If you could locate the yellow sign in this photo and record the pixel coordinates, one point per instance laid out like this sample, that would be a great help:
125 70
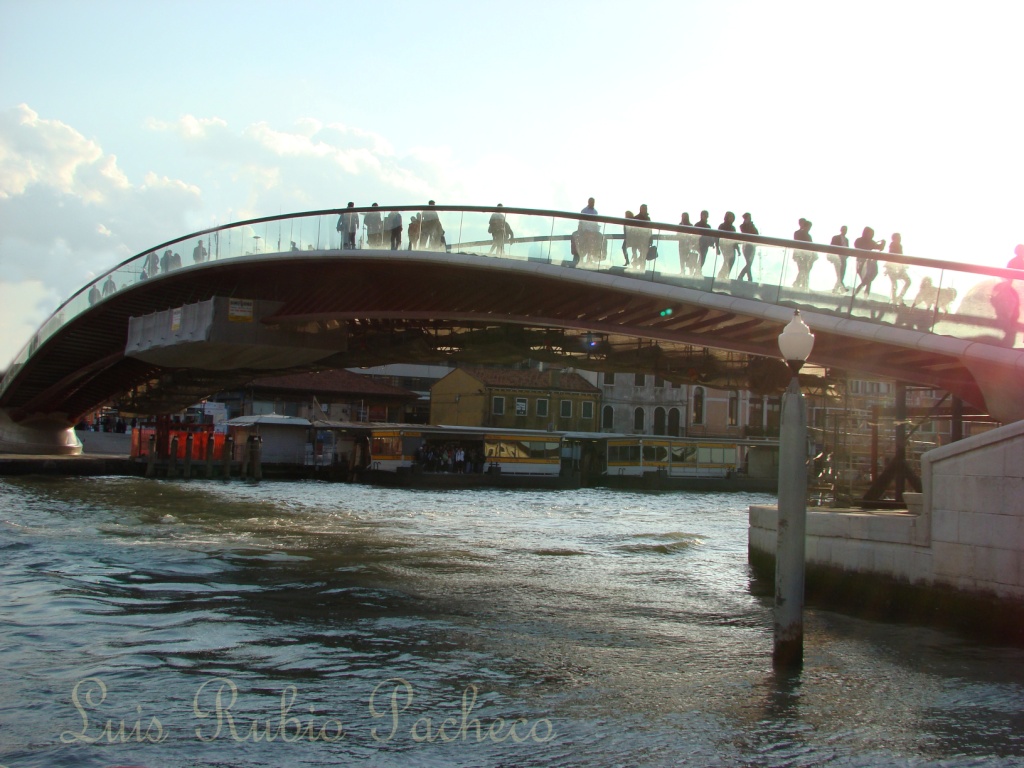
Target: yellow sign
240 310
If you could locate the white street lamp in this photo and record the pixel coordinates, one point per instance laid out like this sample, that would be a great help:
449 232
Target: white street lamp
795 343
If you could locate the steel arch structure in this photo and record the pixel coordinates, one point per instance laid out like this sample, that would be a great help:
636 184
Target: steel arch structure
531 288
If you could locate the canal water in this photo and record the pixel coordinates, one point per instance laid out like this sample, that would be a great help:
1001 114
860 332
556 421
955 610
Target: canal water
164 624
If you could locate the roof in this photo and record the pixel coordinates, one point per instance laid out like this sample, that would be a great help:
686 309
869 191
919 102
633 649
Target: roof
554 379
334 383
268 419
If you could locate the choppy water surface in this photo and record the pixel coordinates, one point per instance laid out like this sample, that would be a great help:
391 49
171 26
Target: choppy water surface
287 624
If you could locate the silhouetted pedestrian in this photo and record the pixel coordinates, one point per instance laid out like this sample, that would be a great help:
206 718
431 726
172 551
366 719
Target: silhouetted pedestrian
897 273
749 249
839 260
1017 262
867 269
500 232
374 228
348 226
431 231
706 243
393 224
804 259
727 248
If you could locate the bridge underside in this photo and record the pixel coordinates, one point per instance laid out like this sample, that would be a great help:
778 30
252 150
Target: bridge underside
370 308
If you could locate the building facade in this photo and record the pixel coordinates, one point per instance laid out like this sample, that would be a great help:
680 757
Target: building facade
647 404
338 395
516 399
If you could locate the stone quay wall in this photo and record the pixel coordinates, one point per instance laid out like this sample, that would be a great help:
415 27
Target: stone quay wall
959 547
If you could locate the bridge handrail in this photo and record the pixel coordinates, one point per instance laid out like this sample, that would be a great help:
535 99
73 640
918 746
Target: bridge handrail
569 215
777 252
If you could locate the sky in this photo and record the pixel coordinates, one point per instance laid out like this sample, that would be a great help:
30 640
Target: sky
127 124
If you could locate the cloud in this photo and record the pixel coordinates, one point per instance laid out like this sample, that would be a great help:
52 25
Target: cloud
69 212
37 151
189 126
26 305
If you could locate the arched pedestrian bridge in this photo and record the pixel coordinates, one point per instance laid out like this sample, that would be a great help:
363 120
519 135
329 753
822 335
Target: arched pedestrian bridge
216 308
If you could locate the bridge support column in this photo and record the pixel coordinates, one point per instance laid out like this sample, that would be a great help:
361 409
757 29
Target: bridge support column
49 435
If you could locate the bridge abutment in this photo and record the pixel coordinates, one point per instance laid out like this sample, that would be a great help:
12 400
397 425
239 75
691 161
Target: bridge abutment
45 435
956 557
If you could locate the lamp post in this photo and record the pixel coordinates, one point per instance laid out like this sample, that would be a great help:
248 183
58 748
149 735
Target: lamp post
795 343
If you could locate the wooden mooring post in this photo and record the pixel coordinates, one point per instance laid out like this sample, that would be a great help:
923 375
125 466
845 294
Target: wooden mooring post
151 457
189 443
172 458
229 449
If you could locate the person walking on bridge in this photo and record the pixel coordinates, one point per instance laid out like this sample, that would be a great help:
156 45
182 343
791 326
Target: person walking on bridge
586 242
747 227
590 210
644 238
431 231
687 249
804 259
705 243
393 225
867 269
374 228
897 273
727 248
500 232
839 261
348 226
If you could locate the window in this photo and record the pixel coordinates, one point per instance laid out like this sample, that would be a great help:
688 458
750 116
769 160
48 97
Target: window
521 407
673 422
609 377
659 382
607 417
587 409
498 405
734 408
773 406
659 421
542 406
698 405
639 379
638 420
756 414
565 409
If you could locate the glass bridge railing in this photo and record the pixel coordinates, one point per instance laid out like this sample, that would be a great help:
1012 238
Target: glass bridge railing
962 301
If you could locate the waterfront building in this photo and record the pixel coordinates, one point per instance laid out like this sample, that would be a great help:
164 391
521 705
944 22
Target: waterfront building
649 404
415 377
556 399
337 395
